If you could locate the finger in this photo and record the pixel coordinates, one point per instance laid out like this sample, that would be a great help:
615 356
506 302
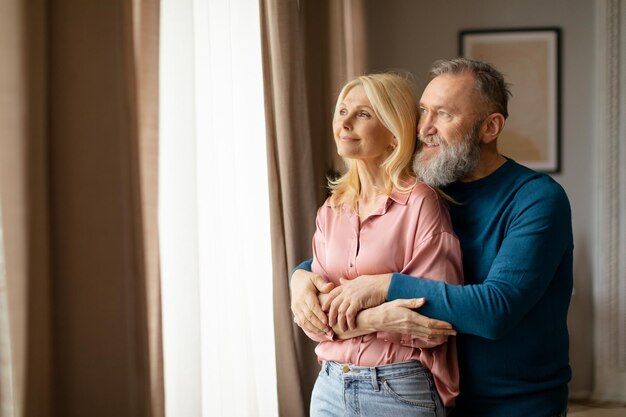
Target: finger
351 316
432 327
333 310
321 284
423 325
341 315
326 288
437 338
341 322
308 325
315 315
331 296
304 325
342 280
434 323
309 315
411 303
434 333
441 328
332 316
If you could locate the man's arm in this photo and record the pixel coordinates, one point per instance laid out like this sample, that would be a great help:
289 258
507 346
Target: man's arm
396 316
537 242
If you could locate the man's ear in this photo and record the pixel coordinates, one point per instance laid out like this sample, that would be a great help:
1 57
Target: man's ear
492 127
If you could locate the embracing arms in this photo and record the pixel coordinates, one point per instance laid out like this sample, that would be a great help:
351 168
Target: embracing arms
426 247
533 255
392 317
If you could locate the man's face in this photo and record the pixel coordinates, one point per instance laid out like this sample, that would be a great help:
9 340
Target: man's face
448 130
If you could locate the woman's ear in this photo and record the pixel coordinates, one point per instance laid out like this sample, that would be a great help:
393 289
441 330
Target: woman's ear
492 127
394 143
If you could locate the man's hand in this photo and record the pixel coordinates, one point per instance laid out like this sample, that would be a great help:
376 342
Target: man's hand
398 317
304 303
352 296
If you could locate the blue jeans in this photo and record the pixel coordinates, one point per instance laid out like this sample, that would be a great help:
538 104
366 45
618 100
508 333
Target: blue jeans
402 389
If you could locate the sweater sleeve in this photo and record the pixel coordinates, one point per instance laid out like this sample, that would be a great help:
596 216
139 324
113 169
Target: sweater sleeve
534 245
306 265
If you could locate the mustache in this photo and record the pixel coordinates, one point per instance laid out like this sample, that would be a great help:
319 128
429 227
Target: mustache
432 139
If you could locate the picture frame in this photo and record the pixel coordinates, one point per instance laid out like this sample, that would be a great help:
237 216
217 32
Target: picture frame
530 60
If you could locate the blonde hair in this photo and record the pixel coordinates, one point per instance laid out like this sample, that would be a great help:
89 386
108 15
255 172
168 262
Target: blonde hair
394 102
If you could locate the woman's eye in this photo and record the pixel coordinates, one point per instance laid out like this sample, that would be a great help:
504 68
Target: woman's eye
364 114
342 112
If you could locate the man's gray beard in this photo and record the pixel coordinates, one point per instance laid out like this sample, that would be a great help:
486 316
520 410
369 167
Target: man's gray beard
453 162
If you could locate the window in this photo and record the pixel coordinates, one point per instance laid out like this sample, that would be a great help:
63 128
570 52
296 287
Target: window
214 220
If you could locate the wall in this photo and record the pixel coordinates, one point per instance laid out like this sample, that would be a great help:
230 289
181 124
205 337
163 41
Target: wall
411 34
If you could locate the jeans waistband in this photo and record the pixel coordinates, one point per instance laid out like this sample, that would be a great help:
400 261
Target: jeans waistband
346 370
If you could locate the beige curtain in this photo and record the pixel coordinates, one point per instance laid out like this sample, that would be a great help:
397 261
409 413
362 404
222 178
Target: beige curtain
305 62
27 352
292 196
78 184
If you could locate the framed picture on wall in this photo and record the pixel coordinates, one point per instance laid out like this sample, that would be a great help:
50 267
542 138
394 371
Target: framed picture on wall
529 60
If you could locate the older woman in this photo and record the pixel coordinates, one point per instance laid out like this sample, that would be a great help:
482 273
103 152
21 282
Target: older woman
380 219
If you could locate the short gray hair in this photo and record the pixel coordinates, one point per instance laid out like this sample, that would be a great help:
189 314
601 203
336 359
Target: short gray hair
489 82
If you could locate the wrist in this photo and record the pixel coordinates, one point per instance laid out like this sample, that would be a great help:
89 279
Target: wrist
366 320
384 288
300 283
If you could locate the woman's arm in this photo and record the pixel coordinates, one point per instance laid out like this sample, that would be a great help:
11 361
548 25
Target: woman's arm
398 318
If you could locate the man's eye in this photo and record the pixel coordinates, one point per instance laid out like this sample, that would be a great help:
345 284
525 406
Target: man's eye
422 111
443 114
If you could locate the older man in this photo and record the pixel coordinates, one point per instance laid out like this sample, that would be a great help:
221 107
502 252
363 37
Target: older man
514 226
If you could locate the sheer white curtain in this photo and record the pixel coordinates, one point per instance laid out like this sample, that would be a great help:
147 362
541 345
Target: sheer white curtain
6 378
216 261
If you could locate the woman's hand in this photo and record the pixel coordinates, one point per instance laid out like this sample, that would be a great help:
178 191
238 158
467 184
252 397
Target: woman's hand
398 317
352 296
305 306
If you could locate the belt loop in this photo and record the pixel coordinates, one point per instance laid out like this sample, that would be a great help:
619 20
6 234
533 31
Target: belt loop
374 379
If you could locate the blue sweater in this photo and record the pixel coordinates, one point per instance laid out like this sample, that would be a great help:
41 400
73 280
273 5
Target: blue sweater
516 235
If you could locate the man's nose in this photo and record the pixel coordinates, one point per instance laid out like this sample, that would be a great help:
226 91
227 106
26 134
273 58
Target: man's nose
426 126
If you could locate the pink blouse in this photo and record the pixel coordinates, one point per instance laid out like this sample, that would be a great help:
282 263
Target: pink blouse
409 233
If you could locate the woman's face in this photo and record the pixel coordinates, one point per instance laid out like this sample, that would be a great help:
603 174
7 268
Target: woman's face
358 132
